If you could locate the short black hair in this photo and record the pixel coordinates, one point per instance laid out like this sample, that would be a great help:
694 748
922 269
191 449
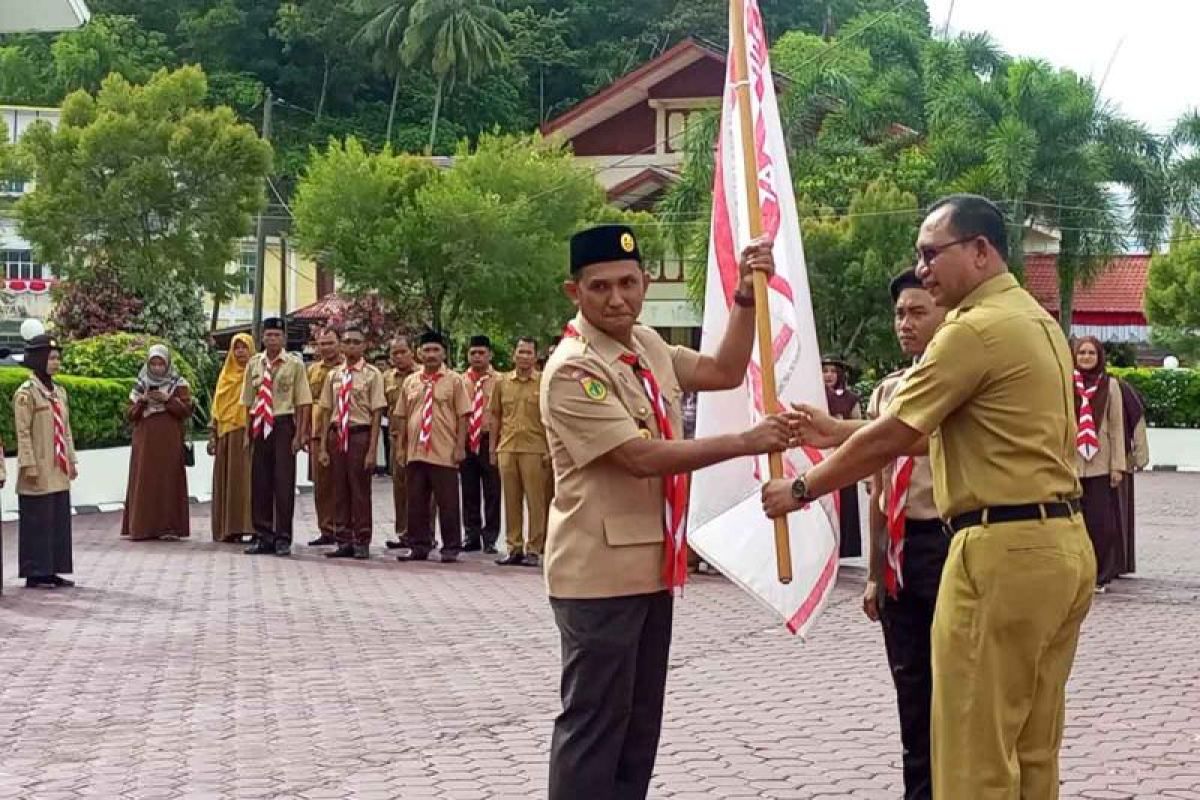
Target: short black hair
973 215
527 340
905 280
353 328
330 329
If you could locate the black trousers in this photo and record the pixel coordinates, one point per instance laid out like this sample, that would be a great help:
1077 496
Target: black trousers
477 472
273 482
430 486
907 620
614 676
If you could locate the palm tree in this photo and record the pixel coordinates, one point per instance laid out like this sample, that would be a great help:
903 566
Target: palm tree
1183 166
383 33
456 40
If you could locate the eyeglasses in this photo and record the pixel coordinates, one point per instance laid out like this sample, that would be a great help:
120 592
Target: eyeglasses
928 254
349 341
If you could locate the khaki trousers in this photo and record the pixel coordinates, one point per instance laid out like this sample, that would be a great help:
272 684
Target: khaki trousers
323 494
525 478
1012 599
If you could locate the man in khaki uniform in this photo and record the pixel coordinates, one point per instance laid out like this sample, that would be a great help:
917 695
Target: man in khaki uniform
329 350
352 401
277 395
611 405
994 394
400 356
519 448
431 415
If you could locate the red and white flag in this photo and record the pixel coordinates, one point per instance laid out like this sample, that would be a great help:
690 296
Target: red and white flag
726 523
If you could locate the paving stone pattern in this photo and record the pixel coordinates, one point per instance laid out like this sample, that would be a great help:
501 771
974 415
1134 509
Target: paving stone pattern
188 670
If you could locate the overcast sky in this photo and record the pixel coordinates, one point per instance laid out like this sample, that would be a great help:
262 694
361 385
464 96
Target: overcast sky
1155 76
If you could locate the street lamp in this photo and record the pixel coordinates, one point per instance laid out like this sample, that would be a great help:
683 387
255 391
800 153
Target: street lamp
28 16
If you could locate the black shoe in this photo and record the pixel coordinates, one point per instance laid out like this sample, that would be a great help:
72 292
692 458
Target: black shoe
39 583
412 554
59 580
490 550
472 547
322 540
449 558
283 547
343 551
393 544
533 560
511 560
362 551
261 548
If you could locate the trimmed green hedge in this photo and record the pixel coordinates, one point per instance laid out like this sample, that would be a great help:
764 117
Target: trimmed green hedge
97 408
118 355
1172 396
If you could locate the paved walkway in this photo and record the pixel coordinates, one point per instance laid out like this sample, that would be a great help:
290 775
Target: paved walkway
187 670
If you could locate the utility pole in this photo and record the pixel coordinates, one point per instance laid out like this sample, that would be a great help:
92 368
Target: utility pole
283 276
261 248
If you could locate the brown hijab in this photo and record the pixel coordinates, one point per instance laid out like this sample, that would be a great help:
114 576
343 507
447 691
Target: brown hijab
840 399
1091 377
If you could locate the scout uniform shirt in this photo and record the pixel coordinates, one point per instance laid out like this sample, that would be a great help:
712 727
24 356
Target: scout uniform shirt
318 373
39 474
393 379
919 503
605 534
288 379
450 403
366 394
515 404
995 393
489 389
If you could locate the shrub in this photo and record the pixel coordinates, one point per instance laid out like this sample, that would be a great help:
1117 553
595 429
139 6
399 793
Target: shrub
1172 396
97 408
119 356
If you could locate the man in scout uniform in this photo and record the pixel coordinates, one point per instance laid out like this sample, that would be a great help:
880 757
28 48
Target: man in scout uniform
519 448
611 402
431 415
480 478
908 541
277 394
352 401
329 352
994 394
400 356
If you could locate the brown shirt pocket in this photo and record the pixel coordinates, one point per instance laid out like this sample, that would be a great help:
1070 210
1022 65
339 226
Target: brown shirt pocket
624 530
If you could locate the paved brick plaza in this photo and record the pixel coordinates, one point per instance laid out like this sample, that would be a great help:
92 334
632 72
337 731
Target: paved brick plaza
187 670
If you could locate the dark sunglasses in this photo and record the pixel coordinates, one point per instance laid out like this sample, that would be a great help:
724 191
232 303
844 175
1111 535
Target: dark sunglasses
928 254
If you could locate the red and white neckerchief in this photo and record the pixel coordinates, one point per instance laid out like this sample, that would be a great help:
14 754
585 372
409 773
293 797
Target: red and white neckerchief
893 571
343 405
426 438
60 431
1087 442
675 487
475 425
263 412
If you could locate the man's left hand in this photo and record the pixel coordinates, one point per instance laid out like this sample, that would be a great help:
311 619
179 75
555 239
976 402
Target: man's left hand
1115 477
369 461
777 500
757 257
72 471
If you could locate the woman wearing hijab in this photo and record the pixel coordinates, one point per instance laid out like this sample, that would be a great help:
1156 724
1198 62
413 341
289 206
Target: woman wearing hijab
46 457
1100 455
1137 457
227 442
156 500
844 404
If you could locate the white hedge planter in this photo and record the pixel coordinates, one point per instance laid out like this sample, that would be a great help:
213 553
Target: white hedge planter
1174 448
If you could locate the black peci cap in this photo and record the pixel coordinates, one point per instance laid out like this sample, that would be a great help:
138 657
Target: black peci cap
273 324
480 341
602 244
431 337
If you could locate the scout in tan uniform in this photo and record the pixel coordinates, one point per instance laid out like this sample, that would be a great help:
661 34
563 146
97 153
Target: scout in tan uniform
611 404
478 474
400 356
908 542
431 415
519 448
329 348
46 460
352 404
276 393
994 394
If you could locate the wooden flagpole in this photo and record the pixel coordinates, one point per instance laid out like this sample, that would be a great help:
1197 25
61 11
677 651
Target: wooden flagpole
762 311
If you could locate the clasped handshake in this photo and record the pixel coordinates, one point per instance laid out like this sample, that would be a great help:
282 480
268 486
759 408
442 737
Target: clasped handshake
803 426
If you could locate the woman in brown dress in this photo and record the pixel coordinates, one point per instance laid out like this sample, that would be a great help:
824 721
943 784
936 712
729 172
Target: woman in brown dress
1137 457
156 500
227 443
1100 456
844 404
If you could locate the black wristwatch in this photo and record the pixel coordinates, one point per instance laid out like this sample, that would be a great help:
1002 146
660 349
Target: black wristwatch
800 491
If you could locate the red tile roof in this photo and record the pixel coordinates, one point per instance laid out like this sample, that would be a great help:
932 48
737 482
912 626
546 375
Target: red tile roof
1118 289
331 305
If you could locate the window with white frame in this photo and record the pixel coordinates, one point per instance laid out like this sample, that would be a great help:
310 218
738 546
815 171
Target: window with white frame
248 267
19 265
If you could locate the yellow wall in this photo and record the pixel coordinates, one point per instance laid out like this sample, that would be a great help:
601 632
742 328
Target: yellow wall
301 285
